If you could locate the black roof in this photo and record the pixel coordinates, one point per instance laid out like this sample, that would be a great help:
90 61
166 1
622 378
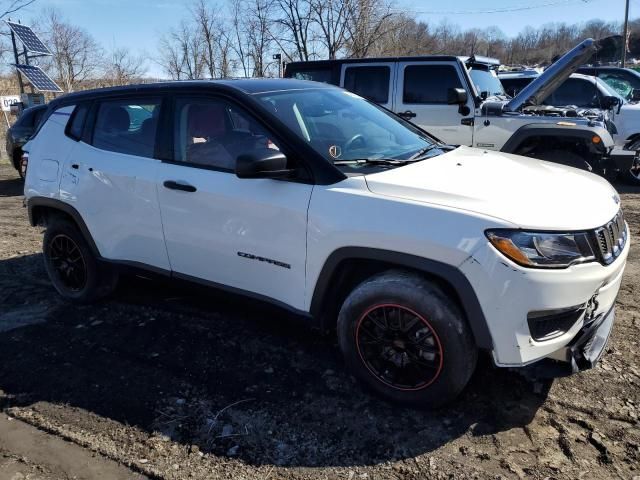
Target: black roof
423 58
602 67
245 85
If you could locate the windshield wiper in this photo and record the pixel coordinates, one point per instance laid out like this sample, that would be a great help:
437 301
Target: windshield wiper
372 161
423 152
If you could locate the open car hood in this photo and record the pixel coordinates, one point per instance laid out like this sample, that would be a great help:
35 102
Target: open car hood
558 72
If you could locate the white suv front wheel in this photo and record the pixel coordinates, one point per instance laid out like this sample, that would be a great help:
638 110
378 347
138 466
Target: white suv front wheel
406 339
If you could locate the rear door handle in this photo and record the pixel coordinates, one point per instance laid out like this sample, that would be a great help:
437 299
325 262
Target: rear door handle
184 187
407 114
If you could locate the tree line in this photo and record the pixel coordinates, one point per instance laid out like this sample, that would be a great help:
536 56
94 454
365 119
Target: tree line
240 38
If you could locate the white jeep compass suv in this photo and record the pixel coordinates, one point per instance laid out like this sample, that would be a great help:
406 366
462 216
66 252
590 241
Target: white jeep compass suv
305 195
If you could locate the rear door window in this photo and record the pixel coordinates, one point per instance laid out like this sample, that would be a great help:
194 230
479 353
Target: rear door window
429 84
371 83
127 126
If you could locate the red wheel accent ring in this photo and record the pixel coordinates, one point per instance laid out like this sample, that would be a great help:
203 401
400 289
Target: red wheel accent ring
393 340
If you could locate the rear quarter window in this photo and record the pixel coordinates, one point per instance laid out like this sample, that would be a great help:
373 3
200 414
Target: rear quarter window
371 83
325 74
77 121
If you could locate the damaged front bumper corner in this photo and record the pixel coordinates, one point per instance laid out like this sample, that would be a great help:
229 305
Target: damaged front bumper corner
582 353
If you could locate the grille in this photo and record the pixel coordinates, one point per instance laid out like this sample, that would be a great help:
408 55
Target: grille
611 238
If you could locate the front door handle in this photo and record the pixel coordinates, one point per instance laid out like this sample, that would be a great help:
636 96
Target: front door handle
408 114
173 185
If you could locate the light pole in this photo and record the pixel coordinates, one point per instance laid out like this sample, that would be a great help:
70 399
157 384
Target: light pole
278 57
625 33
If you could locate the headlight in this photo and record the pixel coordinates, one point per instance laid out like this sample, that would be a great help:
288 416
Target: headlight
542 250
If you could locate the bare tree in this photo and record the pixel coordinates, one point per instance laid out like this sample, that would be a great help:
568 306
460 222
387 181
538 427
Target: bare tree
471 40
214 35
76 55
331 17
598 29
252 22
182 52
368 20
121 67
295 19
259 36
12 6
240 43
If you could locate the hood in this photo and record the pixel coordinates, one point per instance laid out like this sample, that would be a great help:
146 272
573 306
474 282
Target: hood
524 192
555 75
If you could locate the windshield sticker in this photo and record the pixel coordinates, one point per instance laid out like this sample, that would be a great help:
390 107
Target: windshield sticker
335 151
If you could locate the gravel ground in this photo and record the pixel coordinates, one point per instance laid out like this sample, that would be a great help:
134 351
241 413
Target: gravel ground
173 382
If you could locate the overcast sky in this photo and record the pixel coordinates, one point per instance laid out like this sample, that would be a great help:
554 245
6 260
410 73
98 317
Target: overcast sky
138 23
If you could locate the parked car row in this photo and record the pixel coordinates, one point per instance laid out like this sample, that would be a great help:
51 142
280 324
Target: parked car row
19 133
596 93
417 253
462 101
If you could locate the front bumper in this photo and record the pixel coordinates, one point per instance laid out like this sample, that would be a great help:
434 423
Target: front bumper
622 160
508 294
582 353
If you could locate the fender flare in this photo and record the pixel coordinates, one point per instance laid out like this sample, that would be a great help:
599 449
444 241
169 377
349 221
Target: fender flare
34 203
632 138
549 130
448 273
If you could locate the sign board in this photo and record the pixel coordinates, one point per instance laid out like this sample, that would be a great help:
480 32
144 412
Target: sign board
7 100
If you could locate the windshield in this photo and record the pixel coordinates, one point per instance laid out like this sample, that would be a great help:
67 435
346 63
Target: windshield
342 126
610 90
623 81
486 81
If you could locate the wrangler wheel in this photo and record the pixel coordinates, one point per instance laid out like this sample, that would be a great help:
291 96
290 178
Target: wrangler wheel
632 177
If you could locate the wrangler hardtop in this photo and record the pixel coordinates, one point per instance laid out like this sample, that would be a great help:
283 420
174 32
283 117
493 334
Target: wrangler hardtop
461 101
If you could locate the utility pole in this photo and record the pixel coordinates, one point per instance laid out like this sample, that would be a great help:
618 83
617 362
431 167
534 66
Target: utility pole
625 34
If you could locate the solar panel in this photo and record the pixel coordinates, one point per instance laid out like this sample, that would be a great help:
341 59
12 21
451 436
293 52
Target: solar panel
29 39
38 78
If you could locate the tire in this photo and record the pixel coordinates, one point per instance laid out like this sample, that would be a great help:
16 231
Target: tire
71 265
429 372
569 159
22 167
632 177
17 164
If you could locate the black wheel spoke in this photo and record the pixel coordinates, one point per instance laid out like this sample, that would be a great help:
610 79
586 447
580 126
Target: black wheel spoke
399 347
381 326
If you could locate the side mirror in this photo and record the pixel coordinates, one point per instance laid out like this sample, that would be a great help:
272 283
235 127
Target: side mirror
265 163
457 96
635 95
609 102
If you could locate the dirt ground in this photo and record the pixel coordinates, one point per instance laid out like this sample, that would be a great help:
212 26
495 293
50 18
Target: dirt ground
172 382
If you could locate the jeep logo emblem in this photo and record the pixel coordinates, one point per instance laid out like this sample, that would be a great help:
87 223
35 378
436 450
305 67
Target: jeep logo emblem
335 151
